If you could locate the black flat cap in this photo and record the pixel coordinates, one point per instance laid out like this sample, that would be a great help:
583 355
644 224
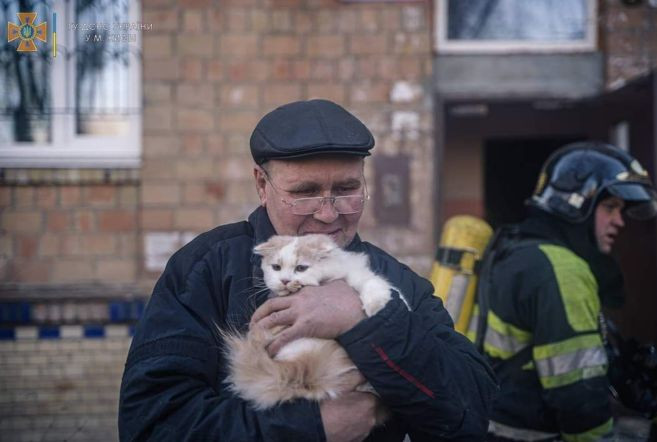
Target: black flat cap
305 128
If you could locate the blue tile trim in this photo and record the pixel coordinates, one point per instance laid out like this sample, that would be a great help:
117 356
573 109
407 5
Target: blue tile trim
15 312
124 311
23 312
55 332
7 334
94 331
49 333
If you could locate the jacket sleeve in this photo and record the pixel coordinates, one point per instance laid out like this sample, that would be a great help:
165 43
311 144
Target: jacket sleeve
428 374
568 353
172 384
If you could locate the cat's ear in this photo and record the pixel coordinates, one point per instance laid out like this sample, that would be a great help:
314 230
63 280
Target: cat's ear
272 245
319 246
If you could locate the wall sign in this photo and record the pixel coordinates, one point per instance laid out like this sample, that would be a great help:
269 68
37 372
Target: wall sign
392 185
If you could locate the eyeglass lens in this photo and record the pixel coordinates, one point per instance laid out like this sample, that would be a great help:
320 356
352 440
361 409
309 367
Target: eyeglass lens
344 205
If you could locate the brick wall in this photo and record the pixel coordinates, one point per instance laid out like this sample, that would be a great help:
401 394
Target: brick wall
68 233
212 69
629 39
62 389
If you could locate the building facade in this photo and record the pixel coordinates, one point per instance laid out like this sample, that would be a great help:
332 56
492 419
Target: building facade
81 247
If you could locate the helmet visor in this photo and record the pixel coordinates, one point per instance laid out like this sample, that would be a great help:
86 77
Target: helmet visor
641 200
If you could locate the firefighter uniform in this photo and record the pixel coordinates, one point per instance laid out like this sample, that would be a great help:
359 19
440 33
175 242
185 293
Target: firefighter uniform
540 295
543 342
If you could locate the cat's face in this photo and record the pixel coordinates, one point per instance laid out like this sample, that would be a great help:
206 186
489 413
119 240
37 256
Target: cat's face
292 262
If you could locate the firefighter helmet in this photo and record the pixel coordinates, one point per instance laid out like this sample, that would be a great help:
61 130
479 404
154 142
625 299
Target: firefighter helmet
574 177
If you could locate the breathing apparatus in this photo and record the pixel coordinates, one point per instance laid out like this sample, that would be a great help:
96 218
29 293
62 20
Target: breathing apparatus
454 272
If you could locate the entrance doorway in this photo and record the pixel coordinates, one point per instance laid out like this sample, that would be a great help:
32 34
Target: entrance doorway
511 167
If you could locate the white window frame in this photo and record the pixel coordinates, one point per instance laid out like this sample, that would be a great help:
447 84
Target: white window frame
68 149
445 46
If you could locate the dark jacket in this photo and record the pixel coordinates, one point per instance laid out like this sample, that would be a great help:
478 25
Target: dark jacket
432 378
543 338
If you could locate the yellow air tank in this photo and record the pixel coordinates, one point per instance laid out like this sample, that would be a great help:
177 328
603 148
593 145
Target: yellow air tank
453 275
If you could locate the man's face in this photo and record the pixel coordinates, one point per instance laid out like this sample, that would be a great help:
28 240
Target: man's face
306 178
608 222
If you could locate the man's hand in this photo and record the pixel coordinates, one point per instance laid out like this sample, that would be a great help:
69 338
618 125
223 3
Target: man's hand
314 312
349 418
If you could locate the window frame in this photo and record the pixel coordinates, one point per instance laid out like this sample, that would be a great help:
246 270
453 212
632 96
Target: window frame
67 149
443 45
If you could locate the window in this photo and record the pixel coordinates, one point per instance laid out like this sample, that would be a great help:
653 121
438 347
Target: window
73 100
470 26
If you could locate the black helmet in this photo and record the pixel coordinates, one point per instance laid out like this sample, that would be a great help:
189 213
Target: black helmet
574 177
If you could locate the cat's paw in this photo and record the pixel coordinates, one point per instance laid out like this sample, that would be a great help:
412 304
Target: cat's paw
374 304
374 296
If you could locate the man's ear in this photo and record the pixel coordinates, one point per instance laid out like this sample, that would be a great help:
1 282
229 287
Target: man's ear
260 182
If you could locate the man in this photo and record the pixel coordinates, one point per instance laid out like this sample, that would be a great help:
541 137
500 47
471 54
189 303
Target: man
546 285
308 155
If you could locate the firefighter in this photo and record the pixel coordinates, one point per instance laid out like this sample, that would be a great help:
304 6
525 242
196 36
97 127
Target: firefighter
543 295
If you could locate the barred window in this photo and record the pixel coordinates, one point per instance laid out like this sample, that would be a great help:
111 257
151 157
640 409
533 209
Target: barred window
70 92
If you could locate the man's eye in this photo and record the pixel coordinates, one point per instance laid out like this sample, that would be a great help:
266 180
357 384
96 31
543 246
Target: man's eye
276 267
300 268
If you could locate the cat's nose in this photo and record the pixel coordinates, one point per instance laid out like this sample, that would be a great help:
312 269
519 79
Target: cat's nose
285 281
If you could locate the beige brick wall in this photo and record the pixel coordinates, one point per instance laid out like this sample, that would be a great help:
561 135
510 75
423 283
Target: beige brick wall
64 389
206 88
211 69
57 234
629 39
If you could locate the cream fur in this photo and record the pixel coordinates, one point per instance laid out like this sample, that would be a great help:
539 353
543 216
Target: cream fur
309 368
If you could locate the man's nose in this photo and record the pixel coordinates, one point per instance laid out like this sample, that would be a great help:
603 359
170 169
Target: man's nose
327 213
618 218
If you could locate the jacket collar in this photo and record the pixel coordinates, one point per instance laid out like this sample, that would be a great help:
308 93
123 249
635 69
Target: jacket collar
580 239
262 228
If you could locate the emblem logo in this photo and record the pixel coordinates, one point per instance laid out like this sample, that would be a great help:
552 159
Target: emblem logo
27 32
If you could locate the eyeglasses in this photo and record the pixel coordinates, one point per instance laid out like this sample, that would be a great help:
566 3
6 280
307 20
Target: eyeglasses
343 205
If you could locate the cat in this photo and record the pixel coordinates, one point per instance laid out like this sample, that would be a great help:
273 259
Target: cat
309 368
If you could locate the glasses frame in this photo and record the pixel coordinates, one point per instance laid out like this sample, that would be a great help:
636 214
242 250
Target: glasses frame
323 199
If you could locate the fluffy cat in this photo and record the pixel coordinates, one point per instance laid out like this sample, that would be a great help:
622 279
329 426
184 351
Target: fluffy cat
309 368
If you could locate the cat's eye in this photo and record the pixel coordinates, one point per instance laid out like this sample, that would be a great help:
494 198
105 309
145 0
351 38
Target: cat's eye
276 267
300 268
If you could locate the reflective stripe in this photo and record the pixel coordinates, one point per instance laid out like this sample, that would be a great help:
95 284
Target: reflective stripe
595 434
575 359
518 334
590 340
501 346
518 433
557 365
502 339
577 285
572 377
